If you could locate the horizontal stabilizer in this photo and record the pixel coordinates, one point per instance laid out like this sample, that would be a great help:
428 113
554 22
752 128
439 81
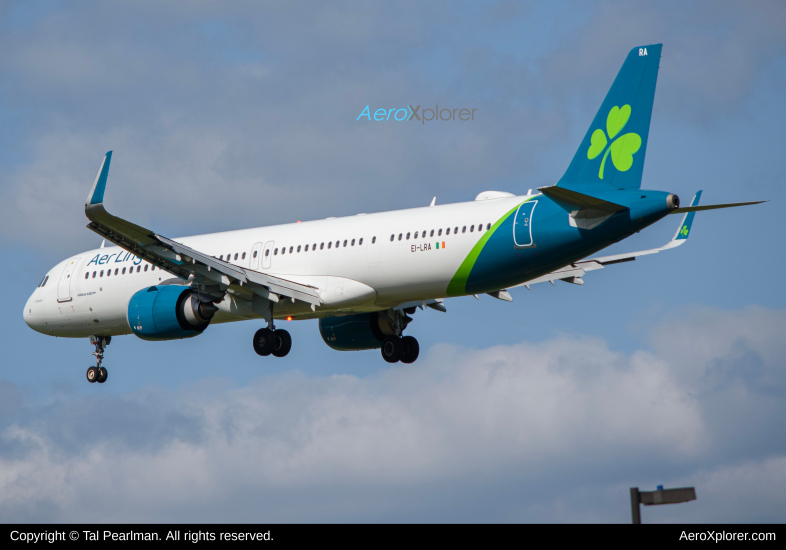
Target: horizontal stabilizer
581 200
711 207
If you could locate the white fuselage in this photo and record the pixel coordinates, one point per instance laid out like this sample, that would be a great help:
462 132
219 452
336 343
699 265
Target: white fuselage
351 260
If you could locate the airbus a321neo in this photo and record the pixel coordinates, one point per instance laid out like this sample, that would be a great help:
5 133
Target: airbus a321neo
364 276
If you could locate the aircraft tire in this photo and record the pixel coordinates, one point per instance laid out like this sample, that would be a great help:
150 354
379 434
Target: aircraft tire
92 375
283 343
411 349
102 374
392 349
264 341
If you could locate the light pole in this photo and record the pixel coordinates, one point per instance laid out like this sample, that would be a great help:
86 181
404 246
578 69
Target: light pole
661 496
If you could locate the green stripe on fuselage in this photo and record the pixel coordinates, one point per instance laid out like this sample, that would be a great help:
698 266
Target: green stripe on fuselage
458 284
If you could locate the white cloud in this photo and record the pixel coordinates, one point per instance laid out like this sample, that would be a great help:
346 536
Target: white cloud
566 422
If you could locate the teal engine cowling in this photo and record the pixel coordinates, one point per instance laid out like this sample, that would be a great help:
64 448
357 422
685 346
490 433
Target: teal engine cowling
169 312
355 332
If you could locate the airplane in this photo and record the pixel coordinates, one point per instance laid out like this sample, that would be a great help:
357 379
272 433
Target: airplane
364 276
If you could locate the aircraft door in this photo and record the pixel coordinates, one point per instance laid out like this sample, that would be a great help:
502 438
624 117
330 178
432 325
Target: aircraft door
64 285
267 254
254 264
522 225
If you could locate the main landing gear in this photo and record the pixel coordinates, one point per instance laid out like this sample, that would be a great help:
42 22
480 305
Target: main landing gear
396 348
98 373
269 341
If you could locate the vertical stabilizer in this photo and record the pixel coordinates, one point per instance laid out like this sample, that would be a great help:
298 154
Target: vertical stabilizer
613 150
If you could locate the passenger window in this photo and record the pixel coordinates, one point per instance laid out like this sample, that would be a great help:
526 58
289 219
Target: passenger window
407 236
314 246
87 274
353 242
145 267
290 249
283 250
275 252
116 271
345 243
330 244
392 237
439 233
400 235
102 273
416 234
488 226
108 272
432 233
464 229
471 228
267 252
152 268
447 232
124 271
243 257
236 255
306 248
455 230
221 257
322 246
298 248
94 274
138 268
337 243
255 253
373 240
360 242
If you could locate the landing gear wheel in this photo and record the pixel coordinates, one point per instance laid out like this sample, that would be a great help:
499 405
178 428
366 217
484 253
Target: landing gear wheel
101 375
92 374
264 341
392 349
411 349
283 343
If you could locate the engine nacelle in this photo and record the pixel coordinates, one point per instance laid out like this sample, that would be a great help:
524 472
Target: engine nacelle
168 312
355 332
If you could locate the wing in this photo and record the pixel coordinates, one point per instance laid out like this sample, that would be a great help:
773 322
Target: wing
573 273
187 263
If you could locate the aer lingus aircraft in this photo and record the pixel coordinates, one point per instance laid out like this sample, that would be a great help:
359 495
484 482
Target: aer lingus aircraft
363 276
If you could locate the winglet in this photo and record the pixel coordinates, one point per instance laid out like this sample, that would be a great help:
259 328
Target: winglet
96 195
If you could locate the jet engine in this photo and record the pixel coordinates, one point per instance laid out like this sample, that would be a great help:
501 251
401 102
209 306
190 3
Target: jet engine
169 312
355 332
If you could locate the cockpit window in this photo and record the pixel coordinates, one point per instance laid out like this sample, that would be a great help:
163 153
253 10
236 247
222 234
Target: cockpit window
44 281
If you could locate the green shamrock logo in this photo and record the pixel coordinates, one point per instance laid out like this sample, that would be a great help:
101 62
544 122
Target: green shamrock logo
622 149
684 231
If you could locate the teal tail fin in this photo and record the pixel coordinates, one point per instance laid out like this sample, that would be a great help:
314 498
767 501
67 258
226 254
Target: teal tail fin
613 150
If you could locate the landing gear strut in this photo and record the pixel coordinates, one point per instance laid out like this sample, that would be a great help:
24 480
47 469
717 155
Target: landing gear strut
396 347
270 340
98 373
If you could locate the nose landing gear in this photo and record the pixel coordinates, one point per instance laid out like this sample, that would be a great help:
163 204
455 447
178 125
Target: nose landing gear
98 373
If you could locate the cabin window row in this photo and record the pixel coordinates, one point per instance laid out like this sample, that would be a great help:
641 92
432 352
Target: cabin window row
313 247
118 271
229 256
431 233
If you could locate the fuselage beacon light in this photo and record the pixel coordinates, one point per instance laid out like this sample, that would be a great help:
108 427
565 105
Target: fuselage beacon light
364 277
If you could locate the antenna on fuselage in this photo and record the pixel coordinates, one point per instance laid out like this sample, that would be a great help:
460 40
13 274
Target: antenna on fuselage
103 243
433 201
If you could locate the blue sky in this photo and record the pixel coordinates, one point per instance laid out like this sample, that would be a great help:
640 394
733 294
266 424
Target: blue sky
668 370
